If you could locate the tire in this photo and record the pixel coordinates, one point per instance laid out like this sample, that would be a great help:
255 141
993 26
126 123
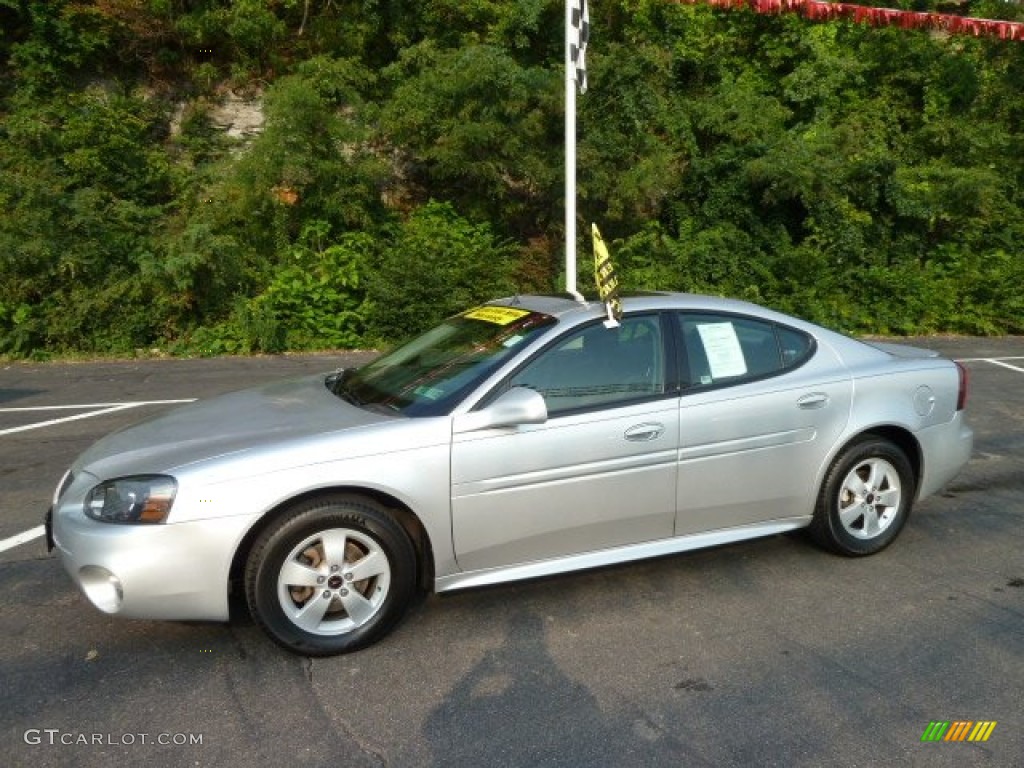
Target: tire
333 575
865 499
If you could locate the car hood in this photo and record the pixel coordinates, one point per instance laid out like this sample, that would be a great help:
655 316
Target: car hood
249 419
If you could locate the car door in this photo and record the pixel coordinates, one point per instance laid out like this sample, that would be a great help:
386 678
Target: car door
599 473
763 407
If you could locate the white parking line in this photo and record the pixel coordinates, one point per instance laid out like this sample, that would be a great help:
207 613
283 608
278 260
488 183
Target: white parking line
103 409
989 359
77 407
22 538
1007 365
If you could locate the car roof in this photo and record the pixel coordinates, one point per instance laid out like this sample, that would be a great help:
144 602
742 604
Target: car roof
570 311
562 306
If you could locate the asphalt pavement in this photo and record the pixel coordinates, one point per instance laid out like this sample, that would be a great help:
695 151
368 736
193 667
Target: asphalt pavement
765 653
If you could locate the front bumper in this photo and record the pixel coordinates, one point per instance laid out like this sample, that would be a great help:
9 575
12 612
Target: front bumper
168 571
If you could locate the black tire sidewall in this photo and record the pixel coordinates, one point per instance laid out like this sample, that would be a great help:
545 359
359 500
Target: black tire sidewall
828 529
280 538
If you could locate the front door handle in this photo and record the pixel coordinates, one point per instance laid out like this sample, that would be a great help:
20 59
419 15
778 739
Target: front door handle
642 433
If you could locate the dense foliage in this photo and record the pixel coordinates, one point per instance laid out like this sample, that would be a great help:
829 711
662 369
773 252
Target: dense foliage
409 162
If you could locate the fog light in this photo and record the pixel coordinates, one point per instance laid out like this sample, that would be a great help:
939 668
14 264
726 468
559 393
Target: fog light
102 588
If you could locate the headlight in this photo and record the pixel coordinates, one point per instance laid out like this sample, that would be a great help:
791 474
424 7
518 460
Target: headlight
143 499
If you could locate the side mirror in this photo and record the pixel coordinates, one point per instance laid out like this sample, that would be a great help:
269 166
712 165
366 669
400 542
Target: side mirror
517 406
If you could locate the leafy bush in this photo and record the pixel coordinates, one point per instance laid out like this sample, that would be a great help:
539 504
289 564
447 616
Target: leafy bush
317 298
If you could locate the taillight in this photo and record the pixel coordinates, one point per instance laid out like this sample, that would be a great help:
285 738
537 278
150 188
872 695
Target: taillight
961 395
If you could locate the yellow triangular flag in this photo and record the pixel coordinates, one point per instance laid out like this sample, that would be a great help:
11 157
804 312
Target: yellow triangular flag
604 275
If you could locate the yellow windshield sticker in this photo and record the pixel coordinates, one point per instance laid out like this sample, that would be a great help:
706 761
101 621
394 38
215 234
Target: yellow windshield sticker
496 315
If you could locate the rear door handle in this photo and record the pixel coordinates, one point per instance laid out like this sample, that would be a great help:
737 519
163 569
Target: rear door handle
812 401
644 432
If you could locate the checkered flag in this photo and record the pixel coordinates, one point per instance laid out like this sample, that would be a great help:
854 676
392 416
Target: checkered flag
578 36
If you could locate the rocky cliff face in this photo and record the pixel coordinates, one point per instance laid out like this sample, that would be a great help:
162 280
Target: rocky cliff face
239 116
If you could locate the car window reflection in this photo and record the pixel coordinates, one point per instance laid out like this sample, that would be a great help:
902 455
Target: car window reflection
598 366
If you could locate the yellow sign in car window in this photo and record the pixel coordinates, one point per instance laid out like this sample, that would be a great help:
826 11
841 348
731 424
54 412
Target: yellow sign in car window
496 315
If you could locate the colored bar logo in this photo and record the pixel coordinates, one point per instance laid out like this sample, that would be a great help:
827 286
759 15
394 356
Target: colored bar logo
958 730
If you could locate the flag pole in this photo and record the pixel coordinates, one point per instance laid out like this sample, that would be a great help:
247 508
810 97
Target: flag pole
570 158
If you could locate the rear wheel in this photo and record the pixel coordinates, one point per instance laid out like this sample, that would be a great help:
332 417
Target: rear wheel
865 499
332 576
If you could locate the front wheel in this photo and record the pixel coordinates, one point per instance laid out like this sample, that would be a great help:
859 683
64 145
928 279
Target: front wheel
865 498
332 576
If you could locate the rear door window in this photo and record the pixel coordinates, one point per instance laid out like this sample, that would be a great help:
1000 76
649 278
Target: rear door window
722 349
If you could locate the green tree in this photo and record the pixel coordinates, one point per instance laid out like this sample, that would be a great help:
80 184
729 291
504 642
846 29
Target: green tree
81 188
475 126
436 264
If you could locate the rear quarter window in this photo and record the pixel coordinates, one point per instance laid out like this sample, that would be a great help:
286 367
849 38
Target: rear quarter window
796 346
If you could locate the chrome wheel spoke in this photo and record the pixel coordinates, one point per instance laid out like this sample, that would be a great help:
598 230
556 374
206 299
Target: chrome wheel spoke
851 514
359 609
374 564
871 524
296 574
855 485
334 543
309 616
888 498
875 474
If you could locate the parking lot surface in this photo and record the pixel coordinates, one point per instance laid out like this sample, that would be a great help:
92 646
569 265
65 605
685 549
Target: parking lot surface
765 653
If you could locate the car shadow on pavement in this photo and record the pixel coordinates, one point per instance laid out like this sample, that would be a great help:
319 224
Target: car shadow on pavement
10 395
558 720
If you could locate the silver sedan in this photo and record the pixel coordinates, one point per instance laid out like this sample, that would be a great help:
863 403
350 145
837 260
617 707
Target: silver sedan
523 438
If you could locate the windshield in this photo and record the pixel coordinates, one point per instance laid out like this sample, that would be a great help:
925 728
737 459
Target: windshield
429 375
